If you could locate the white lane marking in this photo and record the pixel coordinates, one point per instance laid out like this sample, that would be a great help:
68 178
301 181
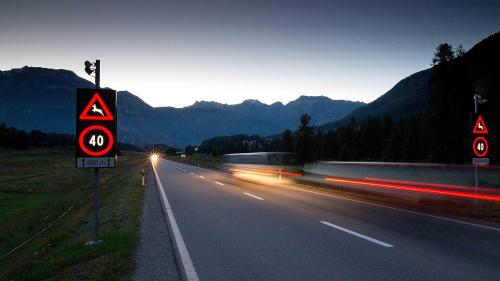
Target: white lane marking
186 263
394 208
191 173
219 183
202 177
184 170
373 240
254 196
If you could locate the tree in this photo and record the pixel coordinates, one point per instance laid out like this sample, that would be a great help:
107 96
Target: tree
443 55
189 150
287 141
459 51
305 140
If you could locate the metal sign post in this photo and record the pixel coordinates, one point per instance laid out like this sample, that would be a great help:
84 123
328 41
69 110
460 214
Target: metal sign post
96 133
96 171
479 143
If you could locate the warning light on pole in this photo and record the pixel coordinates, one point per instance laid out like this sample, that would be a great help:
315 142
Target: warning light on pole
88 67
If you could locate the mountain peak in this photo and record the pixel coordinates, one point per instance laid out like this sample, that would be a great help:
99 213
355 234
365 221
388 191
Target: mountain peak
252 101
33 70
29 76
206 105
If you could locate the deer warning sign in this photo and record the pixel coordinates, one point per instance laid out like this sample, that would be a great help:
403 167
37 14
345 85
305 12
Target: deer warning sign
96 109
480 127
95 128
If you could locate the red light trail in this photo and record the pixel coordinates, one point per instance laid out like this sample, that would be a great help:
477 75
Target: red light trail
460 194
424 184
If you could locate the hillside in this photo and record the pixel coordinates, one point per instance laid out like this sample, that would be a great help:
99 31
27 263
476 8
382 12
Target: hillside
408 97
40 98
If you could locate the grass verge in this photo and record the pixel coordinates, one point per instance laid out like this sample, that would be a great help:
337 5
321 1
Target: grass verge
37 186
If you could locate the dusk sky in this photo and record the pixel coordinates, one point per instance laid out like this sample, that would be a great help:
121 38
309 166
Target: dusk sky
172 53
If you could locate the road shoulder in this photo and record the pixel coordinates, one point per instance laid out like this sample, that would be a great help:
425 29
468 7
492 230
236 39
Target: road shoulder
155 258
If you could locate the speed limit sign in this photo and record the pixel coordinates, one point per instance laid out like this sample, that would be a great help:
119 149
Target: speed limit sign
480 147
96 128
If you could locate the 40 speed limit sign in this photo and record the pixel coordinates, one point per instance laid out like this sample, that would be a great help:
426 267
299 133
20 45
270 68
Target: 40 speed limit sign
95 128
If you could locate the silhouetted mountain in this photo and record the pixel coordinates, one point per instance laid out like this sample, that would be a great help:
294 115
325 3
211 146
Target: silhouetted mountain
408 97
44 99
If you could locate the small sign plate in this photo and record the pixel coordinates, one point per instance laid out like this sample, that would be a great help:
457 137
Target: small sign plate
481 161
95 162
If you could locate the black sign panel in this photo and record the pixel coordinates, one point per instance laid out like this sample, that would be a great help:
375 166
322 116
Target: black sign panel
95 128
480 141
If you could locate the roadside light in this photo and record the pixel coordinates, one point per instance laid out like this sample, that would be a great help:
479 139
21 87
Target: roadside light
154 157
88 68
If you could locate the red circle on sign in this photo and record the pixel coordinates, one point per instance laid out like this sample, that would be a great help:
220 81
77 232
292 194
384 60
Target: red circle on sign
93 153
474 147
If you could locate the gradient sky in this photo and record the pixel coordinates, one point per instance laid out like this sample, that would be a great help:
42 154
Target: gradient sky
172 53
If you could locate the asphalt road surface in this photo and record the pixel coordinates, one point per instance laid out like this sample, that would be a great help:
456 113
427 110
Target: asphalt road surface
234 230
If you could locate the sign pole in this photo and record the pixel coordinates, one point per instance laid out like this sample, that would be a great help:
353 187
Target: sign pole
476 175
96 133
96 205
96 171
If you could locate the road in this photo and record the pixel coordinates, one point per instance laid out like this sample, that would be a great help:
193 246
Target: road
234 230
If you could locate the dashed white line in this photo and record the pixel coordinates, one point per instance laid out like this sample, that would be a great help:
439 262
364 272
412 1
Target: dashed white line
394 208
219 183
202 177
254 196
373 240
191 173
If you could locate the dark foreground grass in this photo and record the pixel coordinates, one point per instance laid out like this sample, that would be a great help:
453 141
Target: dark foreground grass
37 186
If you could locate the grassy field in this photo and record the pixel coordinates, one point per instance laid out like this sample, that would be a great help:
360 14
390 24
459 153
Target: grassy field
37 186
205 161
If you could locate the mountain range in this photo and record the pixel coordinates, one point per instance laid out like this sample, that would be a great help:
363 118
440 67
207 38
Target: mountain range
44 99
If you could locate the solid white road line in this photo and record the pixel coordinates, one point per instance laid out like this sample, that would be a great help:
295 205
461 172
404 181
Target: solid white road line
394 208
187 265
219 183
373 240
202 177
254 196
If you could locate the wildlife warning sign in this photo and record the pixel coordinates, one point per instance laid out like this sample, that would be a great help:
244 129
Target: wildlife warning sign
95 128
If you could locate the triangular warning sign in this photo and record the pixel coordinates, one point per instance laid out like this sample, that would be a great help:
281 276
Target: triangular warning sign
480 127
96 110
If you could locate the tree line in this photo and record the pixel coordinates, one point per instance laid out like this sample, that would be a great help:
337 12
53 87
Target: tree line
19 139
440 134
